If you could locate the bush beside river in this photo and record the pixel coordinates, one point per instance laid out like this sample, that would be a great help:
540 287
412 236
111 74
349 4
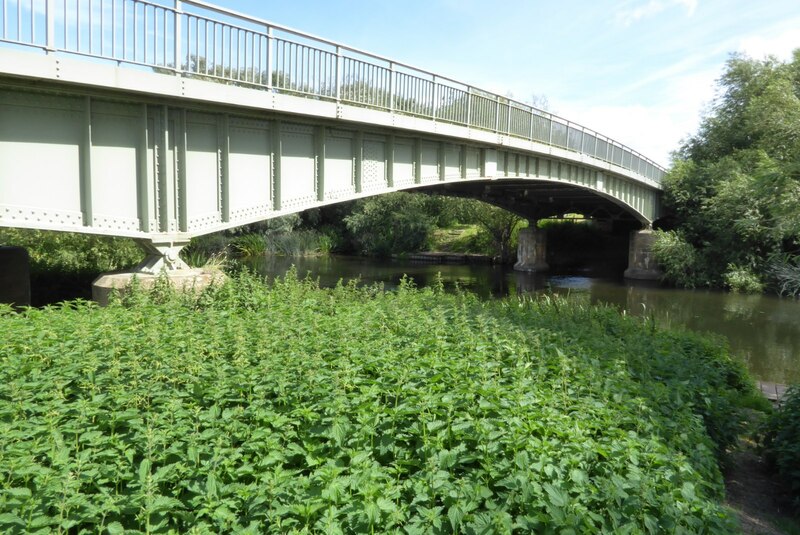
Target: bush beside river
288 408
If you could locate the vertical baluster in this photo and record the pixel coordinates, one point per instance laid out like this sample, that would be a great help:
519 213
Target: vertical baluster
165 32
216 29
114 29
229 73
338 73
145 26
77 25
50 20
124 30
253 55
239 54
206 52
270 55
102 29
177 40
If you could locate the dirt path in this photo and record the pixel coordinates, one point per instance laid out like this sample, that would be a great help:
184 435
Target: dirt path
755 496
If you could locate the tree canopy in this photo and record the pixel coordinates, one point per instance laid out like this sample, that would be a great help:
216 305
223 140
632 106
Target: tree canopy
734 187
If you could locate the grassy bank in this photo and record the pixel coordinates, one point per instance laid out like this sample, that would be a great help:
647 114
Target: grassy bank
288 408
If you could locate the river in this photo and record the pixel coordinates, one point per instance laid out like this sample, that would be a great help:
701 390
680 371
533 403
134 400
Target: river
762 331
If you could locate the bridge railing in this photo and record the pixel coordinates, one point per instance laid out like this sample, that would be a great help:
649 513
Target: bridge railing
197 39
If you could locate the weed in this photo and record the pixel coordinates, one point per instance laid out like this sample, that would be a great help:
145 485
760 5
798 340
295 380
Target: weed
286 408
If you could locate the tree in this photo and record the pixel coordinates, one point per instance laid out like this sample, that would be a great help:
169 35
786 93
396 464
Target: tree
734 187
498 225
390 224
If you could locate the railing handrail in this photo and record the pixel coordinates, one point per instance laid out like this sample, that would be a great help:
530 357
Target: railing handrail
265 30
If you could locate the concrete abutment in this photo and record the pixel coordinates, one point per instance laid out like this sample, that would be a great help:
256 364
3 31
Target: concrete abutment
532 250
642 264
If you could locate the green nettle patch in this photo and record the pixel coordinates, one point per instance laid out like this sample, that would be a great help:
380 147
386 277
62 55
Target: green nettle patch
286 408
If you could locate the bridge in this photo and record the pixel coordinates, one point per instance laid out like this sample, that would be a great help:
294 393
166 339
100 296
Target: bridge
162 121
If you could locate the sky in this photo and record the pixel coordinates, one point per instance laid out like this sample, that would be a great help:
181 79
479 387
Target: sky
642 72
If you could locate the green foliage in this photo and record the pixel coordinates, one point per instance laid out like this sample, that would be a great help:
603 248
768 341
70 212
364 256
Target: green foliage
459 238
249 245
296 243
735 187
782 440
785 272
390 224
743 280
290 409
677 258
497 228
203 248
70 253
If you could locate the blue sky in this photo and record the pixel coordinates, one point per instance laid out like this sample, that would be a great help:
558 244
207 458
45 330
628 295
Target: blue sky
640 71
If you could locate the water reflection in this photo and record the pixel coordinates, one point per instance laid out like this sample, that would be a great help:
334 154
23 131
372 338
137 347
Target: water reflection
763 331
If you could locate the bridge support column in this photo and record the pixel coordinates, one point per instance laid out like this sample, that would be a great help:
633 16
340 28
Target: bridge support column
15 276
532 249
641 262
162 260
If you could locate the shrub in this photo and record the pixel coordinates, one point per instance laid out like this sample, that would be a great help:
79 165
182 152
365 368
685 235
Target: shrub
743 280
786 275
390 224
249 245
288 408
72 253
677 258
782 441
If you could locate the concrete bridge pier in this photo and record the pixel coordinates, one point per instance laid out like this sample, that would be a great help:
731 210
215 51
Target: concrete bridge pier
641 261
532 249
162 260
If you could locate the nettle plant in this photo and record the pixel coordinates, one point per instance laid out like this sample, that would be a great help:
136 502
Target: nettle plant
286 408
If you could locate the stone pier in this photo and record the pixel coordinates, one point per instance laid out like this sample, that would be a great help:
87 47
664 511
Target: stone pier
641 262
532 250
162 260
15 276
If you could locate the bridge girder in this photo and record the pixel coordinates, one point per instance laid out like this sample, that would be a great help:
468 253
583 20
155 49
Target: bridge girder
164 170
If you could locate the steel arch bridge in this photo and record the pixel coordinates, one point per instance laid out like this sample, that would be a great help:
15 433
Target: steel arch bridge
162 121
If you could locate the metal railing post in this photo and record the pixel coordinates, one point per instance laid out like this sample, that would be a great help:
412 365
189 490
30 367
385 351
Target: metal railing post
391 86
469 105
178 39
550 134
51 25
435 98
270 55
497 114
508 122
338 74
530 133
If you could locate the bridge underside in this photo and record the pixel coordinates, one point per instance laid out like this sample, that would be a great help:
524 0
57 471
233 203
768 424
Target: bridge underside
541 199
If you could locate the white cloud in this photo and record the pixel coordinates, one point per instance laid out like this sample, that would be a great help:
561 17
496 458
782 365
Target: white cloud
628 15
653 130
778 43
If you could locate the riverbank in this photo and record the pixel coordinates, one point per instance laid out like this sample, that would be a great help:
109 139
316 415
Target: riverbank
290 407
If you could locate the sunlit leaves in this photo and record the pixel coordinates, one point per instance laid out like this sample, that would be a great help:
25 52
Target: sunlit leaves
288 408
